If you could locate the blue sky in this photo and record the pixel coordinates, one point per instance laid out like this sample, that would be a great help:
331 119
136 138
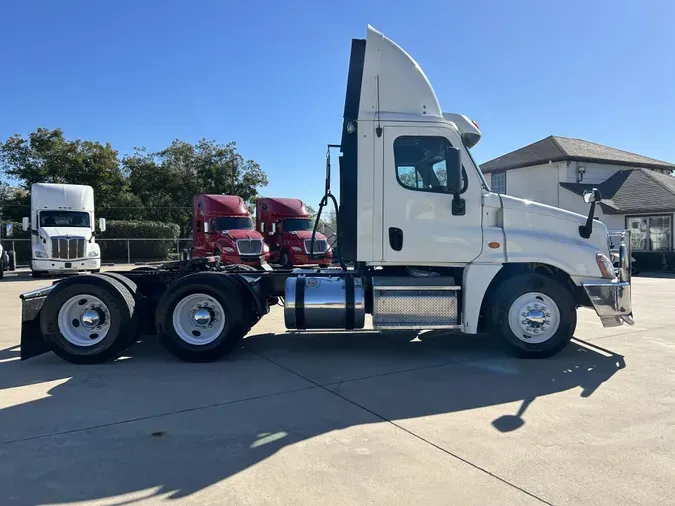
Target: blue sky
271 75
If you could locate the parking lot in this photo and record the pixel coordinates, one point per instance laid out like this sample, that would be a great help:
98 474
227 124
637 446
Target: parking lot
344 418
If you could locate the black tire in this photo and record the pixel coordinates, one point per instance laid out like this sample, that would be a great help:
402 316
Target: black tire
286 260
228 294
38 274
12 260
2 268
132 288
120 304
504 297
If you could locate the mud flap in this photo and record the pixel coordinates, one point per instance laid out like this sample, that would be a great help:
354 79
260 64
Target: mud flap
32 342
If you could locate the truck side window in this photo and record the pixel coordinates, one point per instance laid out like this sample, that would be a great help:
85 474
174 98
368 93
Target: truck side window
420 163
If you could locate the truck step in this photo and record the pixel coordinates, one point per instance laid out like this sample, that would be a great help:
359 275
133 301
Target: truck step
404 302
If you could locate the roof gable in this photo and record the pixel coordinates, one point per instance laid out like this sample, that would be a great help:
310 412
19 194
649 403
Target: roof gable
556 148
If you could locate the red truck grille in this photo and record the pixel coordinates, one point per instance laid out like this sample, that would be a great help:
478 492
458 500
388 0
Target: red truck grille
320 246
249 246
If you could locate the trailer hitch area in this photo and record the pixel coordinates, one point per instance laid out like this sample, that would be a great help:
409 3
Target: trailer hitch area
32 342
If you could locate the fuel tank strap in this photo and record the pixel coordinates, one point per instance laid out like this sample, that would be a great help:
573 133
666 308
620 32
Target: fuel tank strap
300 303
349 302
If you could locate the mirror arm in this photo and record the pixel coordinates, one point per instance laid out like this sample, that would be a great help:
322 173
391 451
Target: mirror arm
585 230
458 205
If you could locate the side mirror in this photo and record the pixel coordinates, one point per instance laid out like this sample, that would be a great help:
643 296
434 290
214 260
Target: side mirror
206 227
453 167
592 195
101 224
25 223
262 227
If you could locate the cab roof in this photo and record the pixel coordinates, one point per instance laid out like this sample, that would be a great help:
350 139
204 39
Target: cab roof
230 205
282 207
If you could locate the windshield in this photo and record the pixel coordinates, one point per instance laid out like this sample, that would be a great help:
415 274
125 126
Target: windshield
64 219
480 173
293 224
231 223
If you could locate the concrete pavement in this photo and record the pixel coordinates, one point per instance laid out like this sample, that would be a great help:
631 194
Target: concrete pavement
344 418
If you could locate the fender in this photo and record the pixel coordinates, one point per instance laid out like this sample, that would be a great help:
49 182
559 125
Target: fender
476 279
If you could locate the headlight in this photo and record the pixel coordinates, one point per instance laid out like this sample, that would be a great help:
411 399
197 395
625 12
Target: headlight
605 265
297 248
266 248
93 253
227 249
40 254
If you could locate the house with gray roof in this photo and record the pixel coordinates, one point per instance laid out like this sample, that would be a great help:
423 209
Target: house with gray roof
638 192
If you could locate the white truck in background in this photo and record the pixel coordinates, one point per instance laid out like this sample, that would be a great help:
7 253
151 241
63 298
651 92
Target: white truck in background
62 229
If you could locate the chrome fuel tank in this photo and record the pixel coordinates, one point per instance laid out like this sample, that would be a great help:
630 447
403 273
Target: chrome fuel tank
324 302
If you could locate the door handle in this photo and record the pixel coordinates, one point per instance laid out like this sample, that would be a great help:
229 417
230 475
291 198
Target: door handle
396 238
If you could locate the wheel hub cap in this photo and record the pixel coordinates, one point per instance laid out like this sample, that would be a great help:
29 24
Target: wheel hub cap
534 317
202 316
91 318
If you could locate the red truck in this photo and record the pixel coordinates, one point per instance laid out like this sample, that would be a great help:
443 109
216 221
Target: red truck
287 229
222 226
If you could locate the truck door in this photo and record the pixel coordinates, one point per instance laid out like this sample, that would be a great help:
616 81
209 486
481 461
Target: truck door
419 224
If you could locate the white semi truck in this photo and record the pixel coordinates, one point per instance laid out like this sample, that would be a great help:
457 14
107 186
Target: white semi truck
423 244
62 229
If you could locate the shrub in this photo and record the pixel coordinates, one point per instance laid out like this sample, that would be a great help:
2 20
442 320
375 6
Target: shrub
113 248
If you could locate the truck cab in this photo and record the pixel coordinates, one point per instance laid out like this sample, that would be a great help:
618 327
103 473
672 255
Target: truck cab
62 229
222 226
287 228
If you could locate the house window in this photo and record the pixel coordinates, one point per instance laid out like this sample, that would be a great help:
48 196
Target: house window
650 233
498 182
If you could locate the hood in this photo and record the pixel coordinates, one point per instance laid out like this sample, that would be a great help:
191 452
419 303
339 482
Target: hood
533 216
307 234
243 234
529 207
48 232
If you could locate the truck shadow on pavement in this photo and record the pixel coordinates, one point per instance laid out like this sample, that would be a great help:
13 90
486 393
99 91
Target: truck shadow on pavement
149 426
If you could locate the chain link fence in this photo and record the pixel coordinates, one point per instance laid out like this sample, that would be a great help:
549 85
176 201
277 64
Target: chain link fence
119 250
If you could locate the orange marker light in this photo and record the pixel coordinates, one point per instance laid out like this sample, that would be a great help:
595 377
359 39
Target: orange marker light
493 245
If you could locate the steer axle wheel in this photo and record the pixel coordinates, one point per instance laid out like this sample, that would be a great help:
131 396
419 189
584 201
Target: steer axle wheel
88 319
534 316
203 317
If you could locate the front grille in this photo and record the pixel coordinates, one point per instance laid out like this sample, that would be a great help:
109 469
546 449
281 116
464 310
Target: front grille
67 248
320 246
249 246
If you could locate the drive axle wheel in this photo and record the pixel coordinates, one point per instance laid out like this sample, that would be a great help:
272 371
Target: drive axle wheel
87 319
203 317
534 316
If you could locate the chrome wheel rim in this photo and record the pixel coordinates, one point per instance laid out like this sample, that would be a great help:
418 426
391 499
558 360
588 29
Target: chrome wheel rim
84 320
534 317
198 319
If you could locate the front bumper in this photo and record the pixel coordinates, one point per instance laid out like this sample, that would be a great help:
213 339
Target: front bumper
49 265
611 300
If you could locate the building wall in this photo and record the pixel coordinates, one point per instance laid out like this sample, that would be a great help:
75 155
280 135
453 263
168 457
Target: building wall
538 183
596 173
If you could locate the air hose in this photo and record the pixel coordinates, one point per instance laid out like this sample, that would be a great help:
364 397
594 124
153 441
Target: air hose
322 204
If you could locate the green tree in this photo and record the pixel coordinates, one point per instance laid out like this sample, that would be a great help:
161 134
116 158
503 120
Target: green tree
48 157
167 181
